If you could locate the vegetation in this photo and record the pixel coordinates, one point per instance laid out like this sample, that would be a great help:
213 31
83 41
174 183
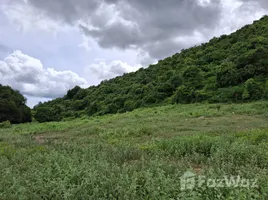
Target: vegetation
13 106
143 154
5 124
231 68
138 155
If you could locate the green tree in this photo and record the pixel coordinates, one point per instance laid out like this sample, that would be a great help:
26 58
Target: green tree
71 93
193 77
265 93
227 75
253 90
47 114
12 106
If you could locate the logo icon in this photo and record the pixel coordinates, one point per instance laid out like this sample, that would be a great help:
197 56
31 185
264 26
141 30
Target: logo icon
188 181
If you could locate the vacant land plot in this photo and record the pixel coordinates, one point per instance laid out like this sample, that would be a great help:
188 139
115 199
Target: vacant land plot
144 154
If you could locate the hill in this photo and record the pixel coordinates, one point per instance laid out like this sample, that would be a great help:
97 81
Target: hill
13 106
230 68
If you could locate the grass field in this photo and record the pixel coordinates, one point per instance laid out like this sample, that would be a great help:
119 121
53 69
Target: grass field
139 155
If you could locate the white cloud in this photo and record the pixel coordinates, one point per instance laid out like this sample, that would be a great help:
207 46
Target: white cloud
27 18
236 15
28 75
106 71
86 43
162 30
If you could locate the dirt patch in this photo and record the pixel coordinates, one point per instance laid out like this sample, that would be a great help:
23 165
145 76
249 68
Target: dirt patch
41 139
197 169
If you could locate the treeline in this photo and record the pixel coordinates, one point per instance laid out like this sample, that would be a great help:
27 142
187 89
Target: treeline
13 106
230 68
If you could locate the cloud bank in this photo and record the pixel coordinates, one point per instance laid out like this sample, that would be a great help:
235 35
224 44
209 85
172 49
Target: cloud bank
106 71
159 28
28 75
153 29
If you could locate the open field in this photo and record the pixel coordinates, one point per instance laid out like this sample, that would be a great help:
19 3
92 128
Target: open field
138 155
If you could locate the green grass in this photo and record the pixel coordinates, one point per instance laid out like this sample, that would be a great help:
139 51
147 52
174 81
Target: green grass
138 155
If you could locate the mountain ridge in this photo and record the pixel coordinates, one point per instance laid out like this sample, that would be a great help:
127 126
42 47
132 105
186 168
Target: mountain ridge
230 68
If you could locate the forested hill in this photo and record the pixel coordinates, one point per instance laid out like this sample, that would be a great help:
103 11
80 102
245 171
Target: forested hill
231 68
13 106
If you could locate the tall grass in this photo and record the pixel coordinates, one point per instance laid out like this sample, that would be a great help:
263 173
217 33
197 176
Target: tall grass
138 155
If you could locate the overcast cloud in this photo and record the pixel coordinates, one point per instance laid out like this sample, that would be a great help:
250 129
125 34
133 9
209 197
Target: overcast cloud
153 26
115 31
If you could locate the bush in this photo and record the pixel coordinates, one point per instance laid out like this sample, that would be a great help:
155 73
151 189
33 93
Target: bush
183 146
253 90
5 124
47 114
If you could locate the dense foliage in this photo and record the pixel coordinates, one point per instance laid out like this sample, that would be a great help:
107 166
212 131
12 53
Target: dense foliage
12 106
231 68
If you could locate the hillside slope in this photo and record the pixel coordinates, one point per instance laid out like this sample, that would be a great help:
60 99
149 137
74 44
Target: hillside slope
230 68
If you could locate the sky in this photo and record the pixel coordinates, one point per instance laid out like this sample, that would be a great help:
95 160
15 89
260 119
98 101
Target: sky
49 46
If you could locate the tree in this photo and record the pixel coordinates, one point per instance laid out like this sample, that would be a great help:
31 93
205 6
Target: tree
71 93
253 90
265 93
227 75
12 106
184 94
47 114
192 77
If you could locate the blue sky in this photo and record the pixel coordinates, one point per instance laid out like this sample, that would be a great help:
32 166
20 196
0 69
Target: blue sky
48 47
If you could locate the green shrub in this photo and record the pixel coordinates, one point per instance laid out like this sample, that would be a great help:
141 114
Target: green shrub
5 124
47 114
183 146
253 90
